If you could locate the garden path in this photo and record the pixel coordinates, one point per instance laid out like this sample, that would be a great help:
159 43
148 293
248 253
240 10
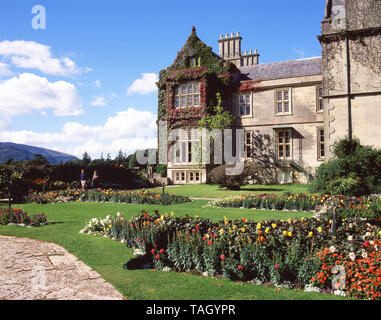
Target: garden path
37 270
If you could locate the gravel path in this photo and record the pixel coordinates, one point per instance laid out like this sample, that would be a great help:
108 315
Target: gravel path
35 270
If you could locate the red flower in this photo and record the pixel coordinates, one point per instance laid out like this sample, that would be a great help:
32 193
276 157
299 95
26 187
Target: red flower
203 238
193 230
138 239
240 267
162 250
157 257
209 243
222 257
153 251
277 266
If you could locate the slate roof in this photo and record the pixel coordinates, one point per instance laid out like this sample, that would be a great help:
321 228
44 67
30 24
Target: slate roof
282 70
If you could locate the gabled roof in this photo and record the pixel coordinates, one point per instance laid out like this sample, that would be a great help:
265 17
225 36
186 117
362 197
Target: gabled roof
282 70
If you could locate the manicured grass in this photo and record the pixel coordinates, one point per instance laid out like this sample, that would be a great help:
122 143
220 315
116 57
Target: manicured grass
213 190
107 256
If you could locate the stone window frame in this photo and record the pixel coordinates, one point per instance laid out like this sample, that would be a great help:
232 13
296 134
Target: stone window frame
290 144
319 98
191 139
238 97
320 144
248 133
179 94
283 101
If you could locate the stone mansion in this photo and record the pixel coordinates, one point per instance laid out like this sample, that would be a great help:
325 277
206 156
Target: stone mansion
292 112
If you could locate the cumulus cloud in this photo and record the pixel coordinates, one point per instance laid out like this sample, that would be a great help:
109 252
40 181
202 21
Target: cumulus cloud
98 102
128 130
97 84
146 84
33 55
28 92
5 71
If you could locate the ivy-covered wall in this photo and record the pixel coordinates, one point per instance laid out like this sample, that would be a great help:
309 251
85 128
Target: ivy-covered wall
211 71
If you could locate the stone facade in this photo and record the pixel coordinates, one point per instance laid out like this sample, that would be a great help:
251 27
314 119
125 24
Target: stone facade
351 51
291 111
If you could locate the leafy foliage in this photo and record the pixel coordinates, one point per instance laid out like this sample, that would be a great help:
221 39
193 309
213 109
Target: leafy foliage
354 171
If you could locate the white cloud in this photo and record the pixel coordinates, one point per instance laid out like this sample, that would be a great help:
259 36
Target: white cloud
97 84
33 55
300 52
28 92
98 102
128 130
146 84
4 70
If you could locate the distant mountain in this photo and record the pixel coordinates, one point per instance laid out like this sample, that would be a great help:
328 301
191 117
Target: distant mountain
24 152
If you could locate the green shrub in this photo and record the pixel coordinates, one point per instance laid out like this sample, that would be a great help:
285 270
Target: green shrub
354 171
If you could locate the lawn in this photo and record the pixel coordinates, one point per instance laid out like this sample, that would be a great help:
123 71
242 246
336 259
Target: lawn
107 256
214 191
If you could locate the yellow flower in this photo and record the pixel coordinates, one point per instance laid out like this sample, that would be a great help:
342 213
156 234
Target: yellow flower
289 220
273 225
310 234
319 229
267 230
172 214
196 217
221 231
259 226
162 218
243 229
285 233
289 234
207 235
234 227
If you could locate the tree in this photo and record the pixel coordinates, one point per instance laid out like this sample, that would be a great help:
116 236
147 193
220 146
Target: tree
11 181
85 159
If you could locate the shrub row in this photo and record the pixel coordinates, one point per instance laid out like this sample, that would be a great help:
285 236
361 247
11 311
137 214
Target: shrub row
18 216
344 206
99 195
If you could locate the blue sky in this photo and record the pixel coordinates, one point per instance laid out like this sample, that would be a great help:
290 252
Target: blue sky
72 86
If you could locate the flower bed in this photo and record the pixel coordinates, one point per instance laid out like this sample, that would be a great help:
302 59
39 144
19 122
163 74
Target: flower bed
99 195
20 217
278 252
345 206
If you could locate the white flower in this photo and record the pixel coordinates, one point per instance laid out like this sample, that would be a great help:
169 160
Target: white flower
167 269
352 256
311 288
332 249
364 254
339 293
350 238
205 274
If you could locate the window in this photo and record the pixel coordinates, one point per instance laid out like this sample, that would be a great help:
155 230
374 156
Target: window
319 99
177 176
284 177
320 140
284 146
197 176
186 148
283 101
248 144
187 95
244 105
194 62
190 176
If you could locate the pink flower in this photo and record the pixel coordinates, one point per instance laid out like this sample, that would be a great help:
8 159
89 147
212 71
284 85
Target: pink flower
153 251
157 257
277 266
162 250
222 257
138 239
209 243
240 267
